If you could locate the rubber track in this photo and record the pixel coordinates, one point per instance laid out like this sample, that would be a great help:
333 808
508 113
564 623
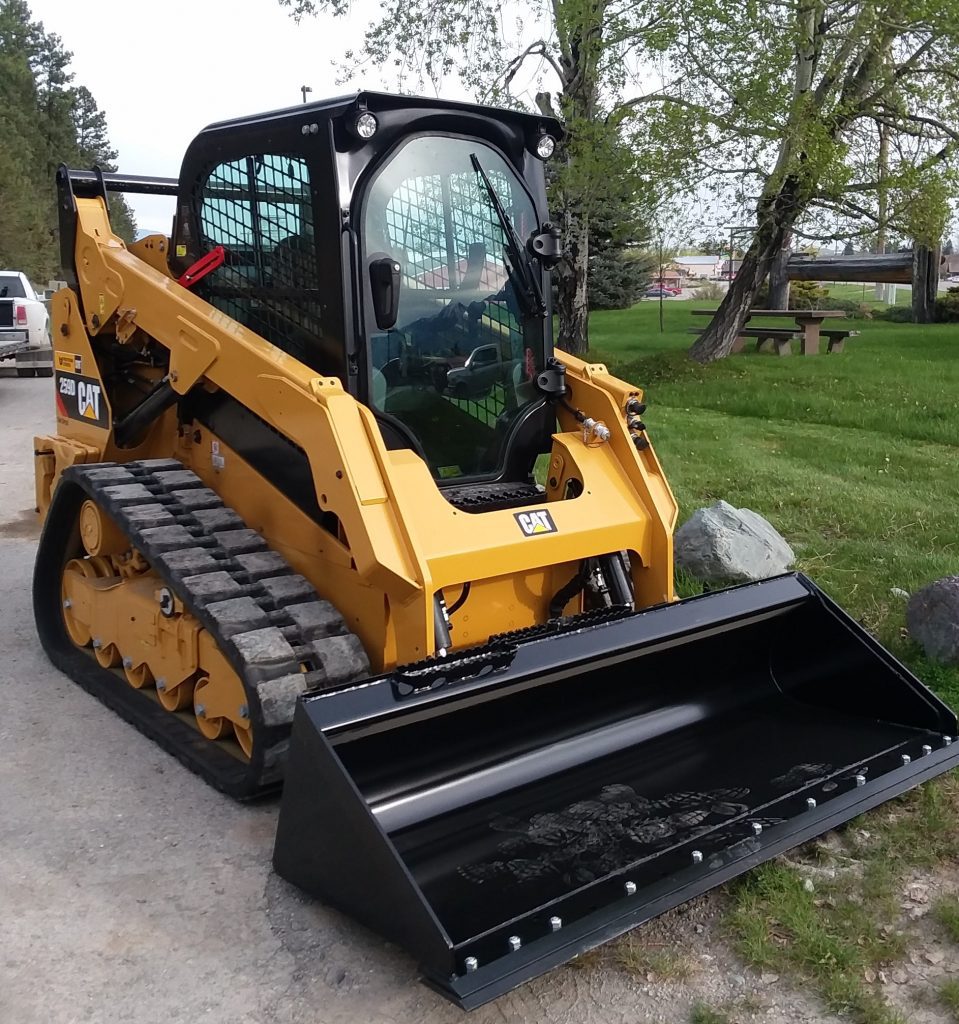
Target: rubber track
267 620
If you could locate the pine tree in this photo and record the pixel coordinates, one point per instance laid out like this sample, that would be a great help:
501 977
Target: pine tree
44 121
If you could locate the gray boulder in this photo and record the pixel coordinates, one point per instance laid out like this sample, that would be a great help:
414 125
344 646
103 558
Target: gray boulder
932 616
722 544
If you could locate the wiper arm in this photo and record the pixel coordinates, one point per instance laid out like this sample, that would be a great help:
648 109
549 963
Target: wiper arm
521 274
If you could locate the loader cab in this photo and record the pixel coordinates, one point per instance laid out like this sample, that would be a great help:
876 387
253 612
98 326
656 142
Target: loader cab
370 238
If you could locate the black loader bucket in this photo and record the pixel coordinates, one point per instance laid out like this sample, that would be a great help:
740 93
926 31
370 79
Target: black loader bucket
577 784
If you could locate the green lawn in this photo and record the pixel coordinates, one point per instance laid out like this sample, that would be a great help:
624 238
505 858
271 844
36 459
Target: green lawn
854 457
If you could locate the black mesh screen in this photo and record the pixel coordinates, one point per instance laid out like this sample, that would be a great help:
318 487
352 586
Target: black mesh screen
259 209
451 240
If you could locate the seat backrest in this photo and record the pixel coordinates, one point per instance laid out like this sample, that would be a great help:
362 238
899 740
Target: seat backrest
475 265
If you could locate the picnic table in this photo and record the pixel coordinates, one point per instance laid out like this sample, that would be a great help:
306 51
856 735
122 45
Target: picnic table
809 328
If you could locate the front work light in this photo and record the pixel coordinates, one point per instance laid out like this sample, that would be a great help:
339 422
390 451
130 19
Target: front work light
365 125
545 145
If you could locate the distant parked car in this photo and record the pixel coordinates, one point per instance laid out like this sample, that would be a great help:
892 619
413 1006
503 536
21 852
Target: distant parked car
658 293
483 368
24 326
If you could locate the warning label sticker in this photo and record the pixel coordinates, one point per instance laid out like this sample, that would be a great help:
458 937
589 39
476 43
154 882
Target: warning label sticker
67 362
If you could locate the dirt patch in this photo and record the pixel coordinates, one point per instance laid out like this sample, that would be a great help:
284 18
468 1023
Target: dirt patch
24 526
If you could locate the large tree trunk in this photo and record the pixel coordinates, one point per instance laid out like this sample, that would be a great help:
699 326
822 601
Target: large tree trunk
778 278
775 223
925 284
571 285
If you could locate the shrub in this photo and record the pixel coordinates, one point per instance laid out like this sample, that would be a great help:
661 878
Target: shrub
806 295
897 314
710 290
947 307
854 310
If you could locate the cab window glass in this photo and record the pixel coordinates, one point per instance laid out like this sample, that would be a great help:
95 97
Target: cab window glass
459 363
259 208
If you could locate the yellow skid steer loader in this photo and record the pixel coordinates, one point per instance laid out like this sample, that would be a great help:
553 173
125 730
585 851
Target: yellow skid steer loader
324 505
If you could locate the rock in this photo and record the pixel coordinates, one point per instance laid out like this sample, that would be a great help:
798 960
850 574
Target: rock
722 544
934 956
899 592
808 885
769 979
932 616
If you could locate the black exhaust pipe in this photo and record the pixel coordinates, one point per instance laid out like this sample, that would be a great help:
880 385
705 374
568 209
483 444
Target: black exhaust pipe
499 814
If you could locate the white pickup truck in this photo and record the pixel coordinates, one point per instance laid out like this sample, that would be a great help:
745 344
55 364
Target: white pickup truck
24 326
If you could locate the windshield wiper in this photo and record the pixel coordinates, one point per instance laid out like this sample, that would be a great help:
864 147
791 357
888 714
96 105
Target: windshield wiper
518 266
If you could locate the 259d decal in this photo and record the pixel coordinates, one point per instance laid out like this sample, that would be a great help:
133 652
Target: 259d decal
81 398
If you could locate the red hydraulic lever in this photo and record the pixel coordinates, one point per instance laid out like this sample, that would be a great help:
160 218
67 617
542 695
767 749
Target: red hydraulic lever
203 266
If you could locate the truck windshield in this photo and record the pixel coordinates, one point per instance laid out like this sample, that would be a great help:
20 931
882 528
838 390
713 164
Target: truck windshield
459 365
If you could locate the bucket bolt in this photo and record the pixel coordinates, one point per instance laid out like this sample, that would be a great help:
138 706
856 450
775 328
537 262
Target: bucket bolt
946 740
555 923
810 803
906 759
514 942
926 749
471 964
757 829
697 856
630 888
860 780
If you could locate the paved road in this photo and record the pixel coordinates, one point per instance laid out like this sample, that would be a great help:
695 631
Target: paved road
129 891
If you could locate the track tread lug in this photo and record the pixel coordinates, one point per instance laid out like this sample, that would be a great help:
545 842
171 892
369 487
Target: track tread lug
167 538
198 498
317 619
215 520
259 565
288 589
237 615
240 542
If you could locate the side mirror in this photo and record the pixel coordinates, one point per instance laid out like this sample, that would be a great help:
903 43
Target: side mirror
385 287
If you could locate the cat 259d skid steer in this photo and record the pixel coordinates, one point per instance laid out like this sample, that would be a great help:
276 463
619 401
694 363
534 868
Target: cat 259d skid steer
293 531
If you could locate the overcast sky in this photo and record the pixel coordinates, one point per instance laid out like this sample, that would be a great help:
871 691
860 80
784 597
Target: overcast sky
162 71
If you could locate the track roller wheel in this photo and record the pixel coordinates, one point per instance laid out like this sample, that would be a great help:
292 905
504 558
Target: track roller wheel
106 654
244 736
175 698
213 727
138 676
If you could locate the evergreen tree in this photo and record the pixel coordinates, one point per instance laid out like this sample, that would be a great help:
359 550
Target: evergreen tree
44 121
